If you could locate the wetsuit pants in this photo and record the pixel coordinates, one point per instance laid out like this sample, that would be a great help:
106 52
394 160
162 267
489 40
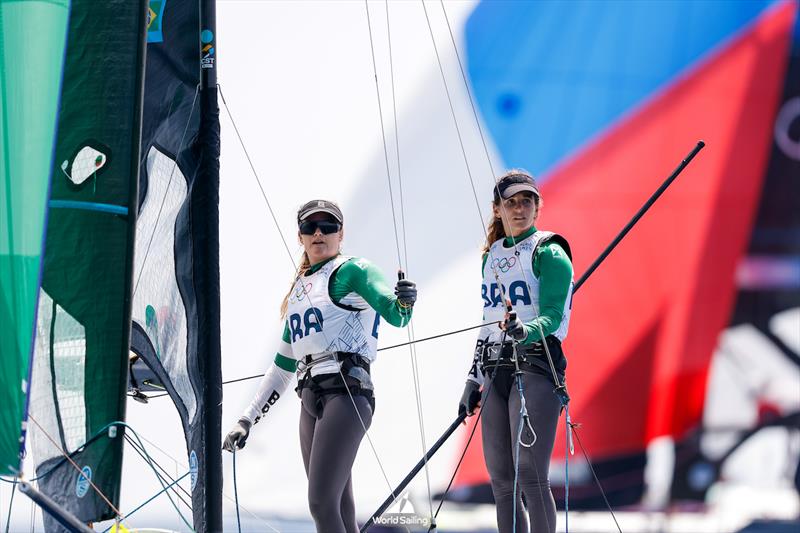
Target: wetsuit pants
499 425
330 433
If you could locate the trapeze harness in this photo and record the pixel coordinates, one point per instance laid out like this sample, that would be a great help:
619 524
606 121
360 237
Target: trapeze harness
339 340
492 353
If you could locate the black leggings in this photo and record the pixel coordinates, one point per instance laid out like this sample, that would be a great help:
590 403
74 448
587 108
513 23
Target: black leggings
330 433
499 426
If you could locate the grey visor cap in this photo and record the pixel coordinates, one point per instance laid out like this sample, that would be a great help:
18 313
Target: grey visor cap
510 191
320 206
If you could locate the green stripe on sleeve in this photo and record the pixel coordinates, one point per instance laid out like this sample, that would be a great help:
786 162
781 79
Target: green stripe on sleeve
285 363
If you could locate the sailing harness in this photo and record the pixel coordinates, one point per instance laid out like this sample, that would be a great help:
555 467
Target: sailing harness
528 357
353 376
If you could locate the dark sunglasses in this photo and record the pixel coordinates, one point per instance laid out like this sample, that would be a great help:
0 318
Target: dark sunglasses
325 226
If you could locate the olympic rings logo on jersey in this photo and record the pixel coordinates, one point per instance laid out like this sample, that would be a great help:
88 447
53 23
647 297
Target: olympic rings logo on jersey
504 263
300 292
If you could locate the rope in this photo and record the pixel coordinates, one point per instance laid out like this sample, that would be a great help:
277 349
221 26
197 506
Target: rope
474 192
594 474
75 465
469 440
440 335
164 476
568 432
255 174
410 330
184 465
516 461
10 503
310 303
236 493
150 461
150 499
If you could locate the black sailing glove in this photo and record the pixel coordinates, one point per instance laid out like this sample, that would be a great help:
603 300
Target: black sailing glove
470 399
237 437
406 292
514 327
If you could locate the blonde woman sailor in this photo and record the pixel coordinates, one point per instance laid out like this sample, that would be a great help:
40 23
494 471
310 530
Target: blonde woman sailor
532 270
332 312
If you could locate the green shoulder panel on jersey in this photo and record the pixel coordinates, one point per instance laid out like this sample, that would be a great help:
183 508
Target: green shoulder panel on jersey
554 270
360 276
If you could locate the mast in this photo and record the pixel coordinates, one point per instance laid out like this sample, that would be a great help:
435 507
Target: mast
208 215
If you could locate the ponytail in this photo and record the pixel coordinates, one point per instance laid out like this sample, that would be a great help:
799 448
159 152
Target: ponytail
494 233
305 264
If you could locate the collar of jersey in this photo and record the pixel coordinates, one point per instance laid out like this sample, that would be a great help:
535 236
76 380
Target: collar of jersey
508 242
313 268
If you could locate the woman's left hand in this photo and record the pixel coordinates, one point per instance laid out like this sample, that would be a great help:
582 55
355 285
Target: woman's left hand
514 327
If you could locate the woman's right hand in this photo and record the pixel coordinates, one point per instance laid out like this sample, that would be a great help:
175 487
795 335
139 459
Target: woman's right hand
237 437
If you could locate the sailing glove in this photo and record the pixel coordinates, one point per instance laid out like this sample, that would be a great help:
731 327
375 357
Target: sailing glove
515 328
470 399
237 437
406 292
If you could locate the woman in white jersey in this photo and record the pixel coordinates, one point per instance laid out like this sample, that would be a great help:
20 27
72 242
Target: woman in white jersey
531 270
332 312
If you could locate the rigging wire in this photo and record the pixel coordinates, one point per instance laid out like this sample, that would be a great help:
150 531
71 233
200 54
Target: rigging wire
472 434
594 474
410 330
10 503
310 303
150 499
236 493
75 465
424 339
33 516
164 475
501 204
68 458
184 465
255 174
149 461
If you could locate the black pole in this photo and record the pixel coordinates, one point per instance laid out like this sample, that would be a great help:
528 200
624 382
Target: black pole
206 209
699 146
72 524
414 471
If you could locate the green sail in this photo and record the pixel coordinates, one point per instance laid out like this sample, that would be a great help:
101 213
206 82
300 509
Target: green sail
79 375
30 79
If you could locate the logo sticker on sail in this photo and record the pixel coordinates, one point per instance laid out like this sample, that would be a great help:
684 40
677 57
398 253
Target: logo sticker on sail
155 13
193 468
82 485
207 56
88 162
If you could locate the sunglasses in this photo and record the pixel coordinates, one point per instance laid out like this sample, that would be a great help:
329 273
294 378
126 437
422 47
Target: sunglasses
325 226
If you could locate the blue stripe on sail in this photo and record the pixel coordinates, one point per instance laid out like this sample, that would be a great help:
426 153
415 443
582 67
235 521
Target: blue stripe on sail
89 206
549 76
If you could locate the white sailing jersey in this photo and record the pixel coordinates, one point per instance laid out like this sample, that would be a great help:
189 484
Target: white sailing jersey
519 284
317 324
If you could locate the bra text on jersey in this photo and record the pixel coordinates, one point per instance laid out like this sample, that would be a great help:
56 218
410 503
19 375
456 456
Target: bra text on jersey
517 292
312 319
